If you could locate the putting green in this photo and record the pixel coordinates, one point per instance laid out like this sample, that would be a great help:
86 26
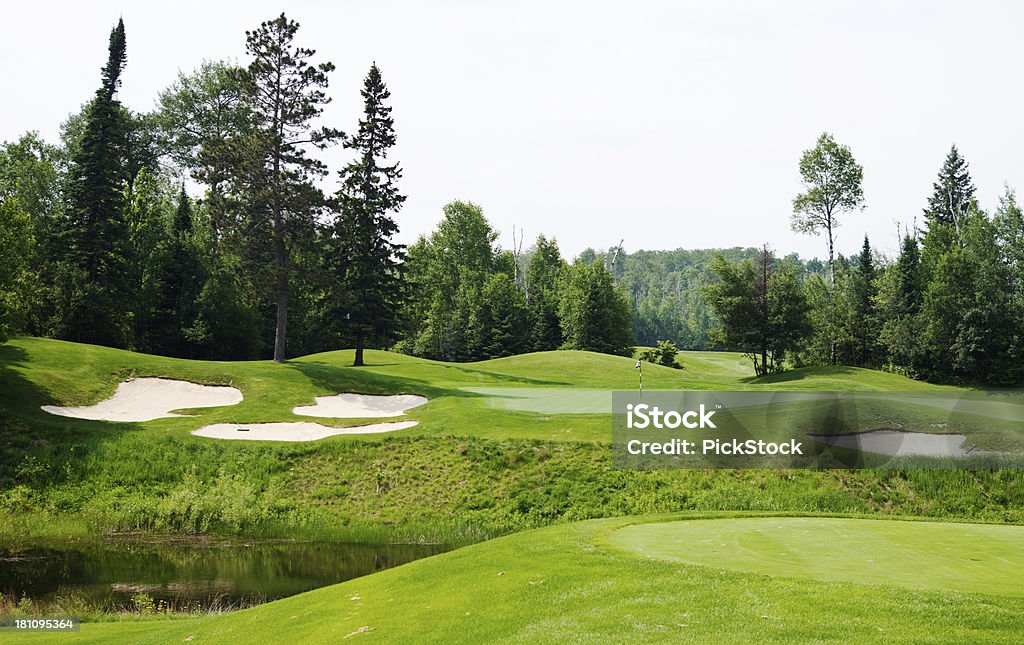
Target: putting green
969 558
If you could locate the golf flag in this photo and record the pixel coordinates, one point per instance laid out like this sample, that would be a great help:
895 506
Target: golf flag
637 365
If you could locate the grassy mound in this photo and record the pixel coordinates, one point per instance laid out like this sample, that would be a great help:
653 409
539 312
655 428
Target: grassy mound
974 558
563 582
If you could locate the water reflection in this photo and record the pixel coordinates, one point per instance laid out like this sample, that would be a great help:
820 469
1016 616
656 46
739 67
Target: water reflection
192 574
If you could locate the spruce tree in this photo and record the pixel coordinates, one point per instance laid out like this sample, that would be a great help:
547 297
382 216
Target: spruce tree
543 275
366 261
180 285
951 194
865 331
95 231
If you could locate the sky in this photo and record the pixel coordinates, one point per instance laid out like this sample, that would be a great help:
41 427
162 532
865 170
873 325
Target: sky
663 124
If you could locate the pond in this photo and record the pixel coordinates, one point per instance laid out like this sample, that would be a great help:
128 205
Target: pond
196 574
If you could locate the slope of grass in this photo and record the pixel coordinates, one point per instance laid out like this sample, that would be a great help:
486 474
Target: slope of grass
469 471
975 558
564 583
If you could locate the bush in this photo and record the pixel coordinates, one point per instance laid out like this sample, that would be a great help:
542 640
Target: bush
664 354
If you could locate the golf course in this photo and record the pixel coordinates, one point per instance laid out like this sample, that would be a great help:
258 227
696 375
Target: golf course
508 465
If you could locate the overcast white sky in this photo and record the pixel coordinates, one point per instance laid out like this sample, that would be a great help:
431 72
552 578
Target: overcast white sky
668 124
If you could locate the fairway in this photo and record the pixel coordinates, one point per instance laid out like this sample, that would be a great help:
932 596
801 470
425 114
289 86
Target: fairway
968 558
546 400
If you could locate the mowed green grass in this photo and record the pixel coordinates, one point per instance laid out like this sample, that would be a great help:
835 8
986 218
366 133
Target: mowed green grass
970 558
575 583
36 371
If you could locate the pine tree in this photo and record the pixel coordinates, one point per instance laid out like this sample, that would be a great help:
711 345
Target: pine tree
543 274
95 231
594 314
181 283
366 261
865 329
276 177
951 194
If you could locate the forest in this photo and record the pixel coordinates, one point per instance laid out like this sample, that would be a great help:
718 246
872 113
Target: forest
203 229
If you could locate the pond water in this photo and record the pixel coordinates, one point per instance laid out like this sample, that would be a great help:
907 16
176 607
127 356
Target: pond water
195 574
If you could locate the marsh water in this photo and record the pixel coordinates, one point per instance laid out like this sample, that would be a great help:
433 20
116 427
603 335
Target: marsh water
194 574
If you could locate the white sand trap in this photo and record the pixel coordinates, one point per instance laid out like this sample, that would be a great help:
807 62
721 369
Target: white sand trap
899 444
292 431
145 399
360 406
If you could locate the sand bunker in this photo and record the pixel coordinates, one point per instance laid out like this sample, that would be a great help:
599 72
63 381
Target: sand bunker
145 399
360 406
292 431
899 444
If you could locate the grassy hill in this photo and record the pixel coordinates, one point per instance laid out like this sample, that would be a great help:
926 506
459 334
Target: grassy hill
470 471
560 583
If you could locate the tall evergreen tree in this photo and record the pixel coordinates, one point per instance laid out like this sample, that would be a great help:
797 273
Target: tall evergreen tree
366 261
180 283
951 194
900 309
95 231
543 275
865 322
285 93
595 315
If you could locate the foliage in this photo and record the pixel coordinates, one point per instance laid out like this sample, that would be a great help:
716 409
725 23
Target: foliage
94 232
594 314
762 308
832 181
664 354
366 262
276 180
952 193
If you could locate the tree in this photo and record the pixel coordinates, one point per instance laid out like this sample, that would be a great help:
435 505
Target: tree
664 354
543 276
16 244
970 319
448 272
951 194
499 323
206 118
285 94
594 314
762 309
94 231
899 304
179 283
832 181
864 328
367 262
30 180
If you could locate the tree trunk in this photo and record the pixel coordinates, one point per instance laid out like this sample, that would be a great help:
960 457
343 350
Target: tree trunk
358 362
281 289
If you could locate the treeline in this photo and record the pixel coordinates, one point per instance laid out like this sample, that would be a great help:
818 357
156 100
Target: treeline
101 243
666 290
469 300
948 308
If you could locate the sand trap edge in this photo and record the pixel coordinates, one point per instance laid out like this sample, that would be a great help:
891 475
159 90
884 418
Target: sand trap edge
293 430
150 397
350 405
